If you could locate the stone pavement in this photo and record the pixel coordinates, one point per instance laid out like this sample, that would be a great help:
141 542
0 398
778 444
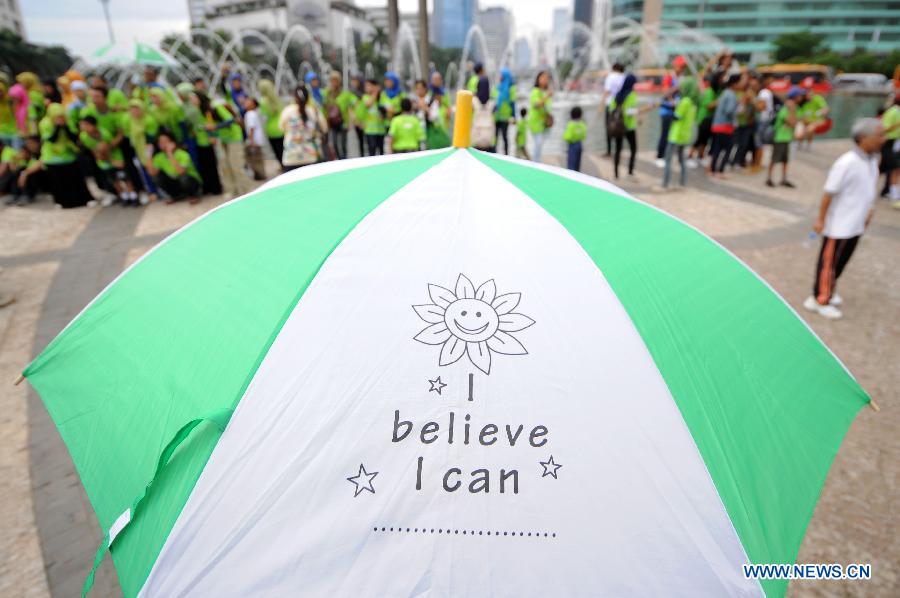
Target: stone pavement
55 261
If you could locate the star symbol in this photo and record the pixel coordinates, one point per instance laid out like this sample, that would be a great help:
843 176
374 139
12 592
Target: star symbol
360 484
550 467
436 385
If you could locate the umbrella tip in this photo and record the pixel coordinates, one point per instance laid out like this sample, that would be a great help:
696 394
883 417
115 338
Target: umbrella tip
874 406
19 379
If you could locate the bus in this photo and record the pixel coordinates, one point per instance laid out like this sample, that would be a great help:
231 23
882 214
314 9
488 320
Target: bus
818 76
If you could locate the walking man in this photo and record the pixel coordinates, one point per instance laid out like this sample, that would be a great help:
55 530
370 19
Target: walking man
845 212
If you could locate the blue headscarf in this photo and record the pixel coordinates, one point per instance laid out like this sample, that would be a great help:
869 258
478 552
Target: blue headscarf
503 88
237 95
316 92
627 86
393 91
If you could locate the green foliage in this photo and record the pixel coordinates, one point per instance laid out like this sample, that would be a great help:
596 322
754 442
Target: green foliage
788 47
443 57
17 55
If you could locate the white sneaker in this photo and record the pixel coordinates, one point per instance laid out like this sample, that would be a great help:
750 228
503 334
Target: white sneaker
660 163
92 203
108 200
826 311
692 163
811 304
836 300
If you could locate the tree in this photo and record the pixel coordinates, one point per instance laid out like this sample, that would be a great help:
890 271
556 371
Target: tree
17 55
799 46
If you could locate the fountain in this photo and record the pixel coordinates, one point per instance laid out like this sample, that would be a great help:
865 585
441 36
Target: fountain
474 34
406 40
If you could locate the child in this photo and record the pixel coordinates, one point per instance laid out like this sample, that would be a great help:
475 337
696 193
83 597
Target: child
406 133
522 135
574 135
173 170
785 121
109 159
681 130
374 119
256 138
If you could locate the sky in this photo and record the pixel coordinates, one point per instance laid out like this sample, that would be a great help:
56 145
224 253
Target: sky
80 26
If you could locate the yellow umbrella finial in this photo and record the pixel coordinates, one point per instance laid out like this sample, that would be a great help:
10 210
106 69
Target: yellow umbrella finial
462 129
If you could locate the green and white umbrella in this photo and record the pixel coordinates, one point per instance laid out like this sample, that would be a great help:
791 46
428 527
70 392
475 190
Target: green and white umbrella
445 373
129 53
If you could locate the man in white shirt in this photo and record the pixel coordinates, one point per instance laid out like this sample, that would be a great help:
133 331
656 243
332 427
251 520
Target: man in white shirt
611 86
256 139
845 212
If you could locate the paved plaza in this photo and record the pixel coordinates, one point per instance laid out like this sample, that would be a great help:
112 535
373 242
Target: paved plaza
55 261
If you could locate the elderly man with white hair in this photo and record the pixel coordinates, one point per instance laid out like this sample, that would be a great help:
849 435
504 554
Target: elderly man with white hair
845 212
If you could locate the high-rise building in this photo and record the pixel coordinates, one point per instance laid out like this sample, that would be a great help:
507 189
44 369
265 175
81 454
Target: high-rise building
452 20
582 12
748 27
11 17
497 24
559 33
523 54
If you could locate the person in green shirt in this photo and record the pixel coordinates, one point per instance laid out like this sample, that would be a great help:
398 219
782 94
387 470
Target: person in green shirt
624 106
504 96
109 160
522 135
785 121
207 161
391 95
814 114
35 111
890 152
338 103
477 72
681 130
374 118
358 114
9 130
59 152
539 117
270 106
21 171
705 110
173 170
406 133
574 136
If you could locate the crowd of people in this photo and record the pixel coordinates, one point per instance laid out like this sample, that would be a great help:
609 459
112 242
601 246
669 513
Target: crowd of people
151 141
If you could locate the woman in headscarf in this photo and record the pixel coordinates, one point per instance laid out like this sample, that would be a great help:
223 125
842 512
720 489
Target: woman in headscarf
483 125
63 85
9 130
505 112
227 129
391 95
18 97
59 152
236 91
539 116
36 108
304 127
681 130
270 105
623 112
207 163
165 111
314 85
189 116
140 129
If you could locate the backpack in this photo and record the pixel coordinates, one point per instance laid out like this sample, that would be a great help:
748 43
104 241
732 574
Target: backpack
335 118
615 127
483 124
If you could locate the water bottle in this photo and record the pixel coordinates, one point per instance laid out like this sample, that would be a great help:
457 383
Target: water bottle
810 239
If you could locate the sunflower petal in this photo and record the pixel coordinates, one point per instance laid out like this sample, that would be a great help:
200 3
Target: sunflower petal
442 297
434 334
433 314
464 287
480 355
506 303
506 344
487 291
514 322
453 349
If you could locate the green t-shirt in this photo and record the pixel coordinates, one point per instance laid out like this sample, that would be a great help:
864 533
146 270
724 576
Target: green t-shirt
272 112
521 133
345 101
703 111
11 156
406 132
890 118
117 100
231 133
784 133
630 102
575 131
392 105
682 128
56 147
115 154
504 110
811 107
360 112
537 116
472 84
162 162
8 126
373 123
108 121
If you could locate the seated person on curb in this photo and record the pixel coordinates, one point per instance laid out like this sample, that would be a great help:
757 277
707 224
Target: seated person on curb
109 159
22 172
406 133
173 171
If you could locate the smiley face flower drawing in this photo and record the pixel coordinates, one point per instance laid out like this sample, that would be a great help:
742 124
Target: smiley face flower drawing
473 322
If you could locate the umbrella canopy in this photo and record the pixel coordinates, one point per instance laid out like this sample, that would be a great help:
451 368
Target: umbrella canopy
128 53
445 373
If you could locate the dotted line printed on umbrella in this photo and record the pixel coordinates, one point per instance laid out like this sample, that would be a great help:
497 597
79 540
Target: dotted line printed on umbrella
461 532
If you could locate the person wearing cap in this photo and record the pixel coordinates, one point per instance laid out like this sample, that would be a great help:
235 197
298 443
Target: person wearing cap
667 106
785 121
845 213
